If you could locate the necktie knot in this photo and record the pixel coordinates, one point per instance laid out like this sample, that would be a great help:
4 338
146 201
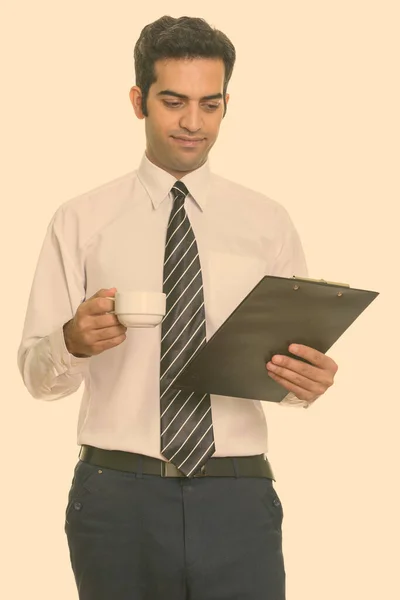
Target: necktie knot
179 190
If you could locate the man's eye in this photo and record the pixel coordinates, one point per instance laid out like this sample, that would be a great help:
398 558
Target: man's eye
172 104
212 106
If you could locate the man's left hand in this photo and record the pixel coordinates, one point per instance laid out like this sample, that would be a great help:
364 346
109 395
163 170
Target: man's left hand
307 382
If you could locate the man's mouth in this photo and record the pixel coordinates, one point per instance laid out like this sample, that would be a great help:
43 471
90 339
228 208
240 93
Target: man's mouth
189 142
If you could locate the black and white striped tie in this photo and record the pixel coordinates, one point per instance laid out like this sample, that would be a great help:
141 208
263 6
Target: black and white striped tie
187 437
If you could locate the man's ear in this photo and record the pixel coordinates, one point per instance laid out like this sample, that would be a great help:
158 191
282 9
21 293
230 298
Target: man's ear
136 98
226 103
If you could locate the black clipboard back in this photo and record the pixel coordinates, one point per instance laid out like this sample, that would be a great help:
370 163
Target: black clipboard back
277 312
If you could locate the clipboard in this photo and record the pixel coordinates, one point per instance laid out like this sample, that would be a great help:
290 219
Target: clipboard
277 312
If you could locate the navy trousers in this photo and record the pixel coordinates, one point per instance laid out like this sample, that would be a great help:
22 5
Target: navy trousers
145 537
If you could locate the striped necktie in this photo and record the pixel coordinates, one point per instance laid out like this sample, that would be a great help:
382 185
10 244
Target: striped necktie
187 437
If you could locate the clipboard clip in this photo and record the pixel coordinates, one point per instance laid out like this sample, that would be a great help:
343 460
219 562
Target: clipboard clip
346 285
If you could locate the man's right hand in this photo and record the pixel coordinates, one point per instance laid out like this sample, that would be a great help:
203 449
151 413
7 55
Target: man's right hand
92 330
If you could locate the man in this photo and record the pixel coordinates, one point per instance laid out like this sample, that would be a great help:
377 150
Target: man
173 497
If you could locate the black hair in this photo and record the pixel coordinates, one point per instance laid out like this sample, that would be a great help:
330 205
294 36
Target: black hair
183 37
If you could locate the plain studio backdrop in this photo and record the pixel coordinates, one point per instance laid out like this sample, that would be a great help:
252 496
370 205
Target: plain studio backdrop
313 122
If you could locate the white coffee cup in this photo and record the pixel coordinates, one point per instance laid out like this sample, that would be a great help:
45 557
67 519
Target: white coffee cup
138 308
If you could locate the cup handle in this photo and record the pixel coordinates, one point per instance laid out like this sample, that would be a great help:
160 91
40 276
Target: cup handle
110 312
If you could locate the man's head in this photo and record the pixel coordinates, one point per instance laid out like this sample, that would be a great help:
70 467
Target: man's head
183 67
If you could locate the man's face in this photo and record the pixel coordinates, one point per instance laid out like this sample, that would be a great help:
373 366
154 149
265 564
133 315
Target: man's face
185 108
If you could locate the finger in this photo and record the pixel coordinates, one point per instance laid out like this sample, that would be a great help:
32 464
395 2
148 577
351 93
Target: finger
300 367
99 305
88 305
299 392
103 321
108 333
109 343
297 379
103 293
318 359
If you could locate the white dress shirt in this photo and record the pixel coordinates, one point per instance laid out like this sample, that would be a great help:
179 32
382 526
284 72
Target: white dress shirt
114 236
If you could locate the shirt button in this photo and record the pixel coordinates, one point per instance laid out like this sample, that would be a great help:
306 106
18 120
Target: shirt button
276 502
77 505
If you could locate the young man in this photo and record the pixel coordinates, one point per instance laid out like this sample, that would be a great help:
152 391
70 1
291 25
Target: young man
172 497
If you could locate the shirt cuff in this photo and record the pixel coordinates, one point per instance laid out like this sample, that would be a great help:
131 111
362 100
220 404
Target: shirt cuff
64 362
291 400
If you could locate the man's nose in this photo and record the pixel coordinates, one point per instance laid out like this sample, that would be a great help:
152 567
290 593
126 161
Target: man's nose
191 120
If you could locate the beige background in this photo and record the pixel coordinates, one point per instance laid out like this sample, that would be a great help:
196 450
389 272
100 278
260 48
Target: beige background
314 123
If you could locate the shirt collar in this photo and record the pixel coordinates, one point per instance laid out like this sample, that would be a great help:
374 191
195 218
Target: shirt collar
158 183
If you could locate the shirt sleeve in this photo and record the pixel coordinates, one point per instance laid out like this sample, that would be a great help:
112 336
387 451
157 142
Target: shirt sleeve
290 260
48 370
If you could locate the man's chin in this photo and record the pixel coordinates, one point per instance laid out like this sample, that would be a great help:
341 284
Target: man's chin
179 165
189 163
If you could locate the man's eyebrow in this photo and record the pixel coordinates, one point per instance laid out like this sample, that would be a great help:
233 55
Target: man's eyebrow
184 97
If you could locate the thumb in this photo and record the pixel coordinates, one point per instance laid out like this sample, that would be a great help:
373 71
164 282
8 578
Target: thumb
104 293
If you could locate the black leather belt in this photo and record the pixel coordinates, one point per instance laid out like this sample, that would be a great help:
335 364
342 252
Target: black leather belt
238 466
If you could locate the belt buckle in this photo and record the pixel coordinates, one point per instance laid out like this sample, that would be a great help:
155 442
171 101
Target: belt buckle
201 473
169 470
